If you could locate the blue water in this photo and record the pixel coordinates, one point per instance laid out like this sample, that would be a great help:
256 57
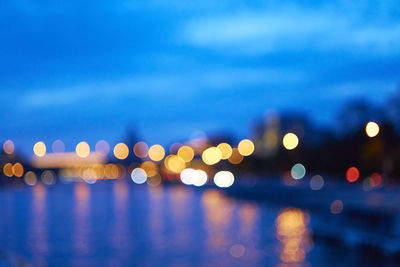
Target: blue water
122 224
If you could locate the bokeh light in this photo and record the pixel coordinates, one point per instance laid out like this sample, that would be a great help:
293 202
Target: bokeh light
8 147
236 157
352 174
141 149
211 156
156 152
372 129
246 147
7 170
174 163
138 176
58 146
226 150
39 149
121 151
298 171
82 149
30 178
186 153
336 207
102 147
290 141
18 169
48 177
224 179
150 168
317 182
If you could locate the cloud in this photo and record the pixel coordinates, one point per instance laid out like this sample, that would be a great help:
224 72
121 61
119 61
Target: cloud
294 29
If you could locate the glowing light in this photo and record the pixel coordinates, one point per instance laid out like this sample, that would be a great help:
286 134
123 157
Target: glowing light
141 149
237 250
111 171
292 232
317 182
30 178
236 157
82 149
174 163
200 179
224 179
375 179
186 153
58 146
102 147
298 171
372 129
194 177
150 168
336 207
48 177
211 155
226 150
8 147
246 147
121 151
290 141
187 176
18 169
156 152
154 181
352 174
7 170
39 149
138 176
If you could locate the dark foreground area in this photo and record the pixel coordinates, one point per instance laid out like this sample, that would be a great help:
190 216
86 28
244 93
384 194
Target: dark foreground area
113 223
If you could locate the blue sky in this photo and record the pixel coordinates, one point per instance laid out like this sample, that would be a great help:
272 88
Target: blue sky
85 70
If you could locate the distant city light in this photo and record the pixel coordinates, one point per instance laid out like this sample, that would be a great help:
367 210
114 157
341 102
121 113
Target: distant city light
39 149
372 129
290 141
236 157
317 182
246 147
226 150
298 171
336 207
7 170
174 163
187 176
150 168
352 174
58 146
154 181
138 176
200 179
121 151
30 178
102 147
141 150
18 170
82 149
224 179
211 156
8 147
186 153
375 179
48 177
156 152
194 177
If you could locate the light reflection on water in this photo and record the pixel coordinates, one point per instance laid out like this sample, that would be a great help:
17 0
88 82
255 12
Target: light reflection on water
120 224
